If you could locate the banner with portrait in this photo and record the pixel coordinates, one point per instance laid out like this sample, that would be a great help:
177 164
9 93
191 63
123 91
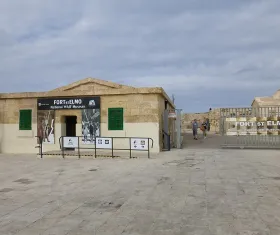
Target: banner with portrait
45 125
90 125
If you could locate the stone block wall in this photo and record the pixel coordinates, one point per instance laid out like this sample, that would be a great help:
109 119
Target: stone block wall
89 88
2 111
11 109
142 115
143 109
138 108
171 123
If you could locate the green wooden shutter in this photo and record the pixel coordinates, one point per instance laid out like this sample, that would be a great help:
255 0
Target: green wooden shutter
25 119
115 119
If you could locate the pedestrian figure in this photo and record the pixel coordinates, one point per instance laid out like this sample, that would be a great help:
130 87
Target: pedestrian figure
91 131
208 124
40 132
85 133
194 128
45 127
204 128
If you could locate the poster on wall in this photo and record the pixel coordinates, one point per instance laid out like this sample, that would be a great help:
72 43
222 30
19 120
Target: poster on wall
45 125
90 125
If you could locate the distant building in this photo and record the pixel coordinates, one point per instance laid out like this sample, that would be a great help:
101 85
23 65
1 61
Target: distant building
268 101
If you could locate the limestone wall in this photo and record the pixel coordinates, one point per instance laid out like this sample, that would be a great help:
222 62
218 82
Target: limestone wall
11 109
137 108
214 117
142 116
2 102
89 87
171 122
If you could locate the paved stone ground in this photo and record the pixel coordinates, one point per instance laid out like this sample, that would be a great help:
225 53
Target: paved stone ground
213 141
189 191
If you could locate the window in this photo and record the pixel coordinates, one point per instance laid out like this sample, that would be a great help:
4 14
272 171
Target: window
115 119
25 119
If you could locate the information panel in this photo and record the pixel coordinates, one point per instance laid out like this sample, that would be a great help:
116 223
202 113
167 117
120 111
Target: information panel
104 143
139 144
70 142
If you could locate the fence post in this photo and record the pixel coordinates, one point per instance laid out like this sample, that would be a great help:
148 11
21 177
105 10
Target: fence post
112 147
178 127
79 147
95 146
41 146
130 147
62 146
148 147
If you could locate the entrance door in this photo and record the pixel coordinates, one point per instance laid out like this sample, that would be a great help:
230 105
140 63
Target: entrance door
70 122
70 125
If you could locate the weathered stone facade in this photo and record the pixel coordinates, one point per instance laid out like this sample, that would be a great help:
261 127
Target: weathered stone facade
273 100
141 106
137 108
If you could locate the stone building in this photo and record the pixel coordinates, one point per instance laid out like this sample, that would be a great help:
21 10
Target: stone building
269 101
85 108
267 106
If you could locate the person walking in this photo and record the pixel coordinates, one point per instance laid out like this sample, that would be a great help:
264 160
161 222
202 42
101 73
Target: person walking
208 124
194 128
204 128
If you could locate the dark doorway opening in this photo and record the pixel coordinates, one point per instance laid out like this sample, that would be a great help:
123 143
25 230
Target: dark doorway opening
70 126
70 122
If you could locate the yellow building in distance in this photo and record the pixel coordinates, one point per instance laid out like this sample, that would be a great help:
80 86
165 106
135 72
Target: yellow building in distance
268 101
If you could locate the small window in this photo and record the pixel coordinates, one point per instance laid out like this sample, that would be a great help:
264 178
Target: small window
25 119
115 119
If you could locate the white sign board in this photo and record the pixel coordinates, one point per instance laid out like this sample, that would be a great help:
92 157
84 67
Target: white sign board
104 143
172 115
139 144
70 142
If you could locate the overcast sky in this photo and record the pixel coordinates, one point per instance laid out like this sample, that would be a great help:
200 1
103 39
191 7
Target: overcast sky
208 53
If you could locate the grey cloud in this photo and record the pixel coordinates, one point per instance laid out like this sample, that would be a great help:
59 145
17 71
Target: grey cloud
202 50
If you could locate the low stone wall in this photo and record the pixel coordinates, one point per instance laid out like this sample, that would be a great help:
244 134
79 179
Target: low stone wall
214 117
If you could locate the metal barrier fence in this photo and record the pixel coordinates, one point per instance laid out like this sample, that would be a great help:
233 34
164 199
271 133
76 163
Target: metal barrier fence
252 127
98 143
254 141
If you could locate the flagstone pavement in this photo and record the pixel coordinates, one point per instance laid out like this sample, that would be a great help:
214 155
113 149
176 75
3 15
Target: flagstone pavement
188 191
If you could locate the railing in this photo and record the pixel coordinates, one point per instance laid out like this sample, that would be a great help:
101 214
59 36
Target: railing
40 146
100 143
249 136
168 140
253 141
